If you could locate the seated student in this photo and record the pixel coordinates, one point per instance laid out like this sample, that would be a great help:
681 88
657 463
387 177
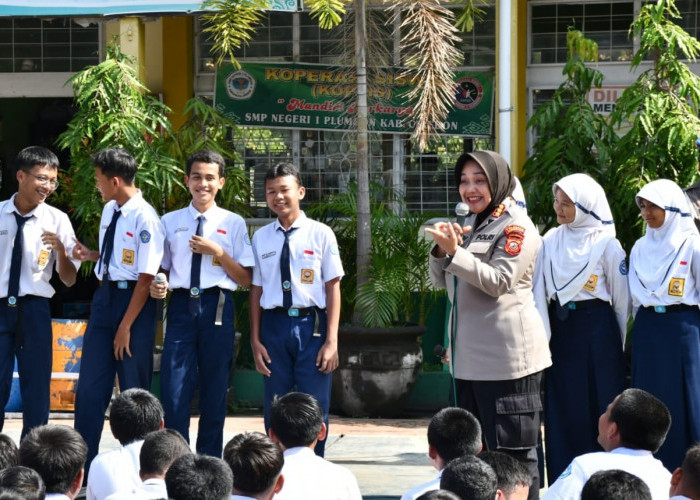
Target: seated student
199 476
438 495
160 449
685 481
296 424
632 428
9 454
134 413
23 481
57 453
615 484
452 433
470 478
512 476
256 462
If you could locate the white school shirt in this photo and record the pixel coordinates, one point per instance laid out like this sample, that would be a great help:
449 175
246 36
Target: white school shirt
221 226
415 492
314 260
640 463
150 489
607 282
114 471
38 262
138 240
309 477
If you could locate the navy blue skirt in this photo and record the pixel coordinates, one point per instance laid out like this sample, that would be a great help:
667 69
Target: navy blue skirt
587 372
666 363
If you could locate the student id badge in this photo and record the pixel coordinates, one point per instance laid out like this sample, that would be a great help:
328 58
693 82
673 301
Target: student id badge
128 257
591 283
43 258
675 287
307 276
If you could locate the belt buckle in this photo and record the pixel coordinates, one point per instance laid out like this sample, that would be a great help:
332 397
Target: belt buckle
195 292
293 312
122 285
572 306
660 309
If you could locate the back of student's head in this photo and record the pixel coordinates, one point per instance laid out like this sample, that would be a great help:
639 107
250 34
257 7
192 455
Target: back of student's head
438 495
296 419
283 169
26 482
470 478
205 156
9 454
160 449
199 476
511 474
615 484
255 460
133 414
116 162
642 420
691 471
454 432
57 453
32 156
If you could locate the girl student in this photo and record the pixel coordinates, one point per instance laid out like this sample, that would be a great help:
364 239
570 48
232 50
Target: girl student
583 271
665 286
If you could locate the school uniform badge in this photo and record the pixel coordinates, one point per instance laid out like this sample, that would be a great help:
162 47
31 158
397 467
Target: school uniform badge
591 283
145 236
128 257
676 286
307 276
43 258
514 239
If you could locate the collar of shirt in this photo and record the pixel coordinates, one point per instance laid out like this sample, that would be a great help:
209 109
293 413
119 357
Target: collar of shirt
208 215
298 450
131 204
629 451
10 207
299 222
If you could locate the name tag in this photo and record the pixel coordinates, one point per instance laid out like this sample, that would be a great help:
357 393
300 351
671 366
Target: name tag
479 247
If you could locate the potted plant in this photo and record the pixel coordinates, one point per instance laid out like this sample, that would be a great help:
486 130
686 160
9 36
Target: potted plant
381 357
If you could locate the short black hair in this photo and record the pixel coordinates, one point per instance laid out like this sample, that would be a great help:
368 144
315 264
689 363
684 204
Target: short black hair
57 453
133 414
454 432
470 478
160 449
296 419
199 476
116 162
283 169
642 420
615 484
438 495
206 156
32 156
691 470
510 473
256 462
9 454
24 481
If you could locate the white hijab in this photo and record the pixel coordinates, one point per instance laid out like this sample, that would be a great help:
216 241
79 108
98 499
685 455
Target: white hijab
655 252
573 250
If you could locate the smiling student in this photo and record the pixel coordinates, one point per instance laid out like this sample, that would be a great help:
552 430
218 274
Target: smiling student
664 282
208 254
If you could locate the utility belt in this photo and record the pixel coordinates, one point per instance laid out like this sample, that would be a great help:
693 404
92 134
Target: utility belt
671 308
296 312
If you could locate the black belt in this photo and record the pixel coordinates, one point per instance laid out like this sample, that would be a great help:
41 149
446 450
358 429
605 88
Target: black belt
123 284
586 304
671 308
202 291
295 311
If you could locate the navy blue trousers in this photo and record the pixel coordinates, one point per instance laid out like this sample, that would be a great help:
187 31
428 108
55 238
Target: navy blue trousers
587 372
666 363
34 358
98 364
292 347
193 346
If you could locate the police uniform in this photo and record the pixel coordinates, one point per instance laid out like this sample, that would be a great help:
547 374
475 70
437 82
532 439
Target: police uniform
664 283
293 337
582 269
640 463
34 348
138 249
499 347
202 344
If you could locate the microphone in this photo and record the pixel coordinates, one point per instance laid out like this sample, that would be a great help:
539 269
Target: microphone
159 279
440 351
461 211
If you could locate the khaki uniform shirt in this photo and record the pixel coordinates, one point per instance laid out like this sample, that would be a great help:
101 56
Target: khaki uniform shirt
499 333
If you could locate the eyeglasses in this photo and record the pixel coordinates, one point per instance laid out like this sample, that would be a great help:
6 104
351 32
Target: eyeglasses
45 181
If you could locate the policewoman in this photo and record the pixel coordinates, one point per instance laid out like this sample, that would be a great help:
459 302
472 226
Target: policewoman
499 346
295 297
663 279
120 335
583 270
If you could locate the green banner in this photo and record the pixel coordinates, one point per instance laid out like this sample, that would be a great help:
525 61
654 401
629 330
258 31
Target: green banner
309 96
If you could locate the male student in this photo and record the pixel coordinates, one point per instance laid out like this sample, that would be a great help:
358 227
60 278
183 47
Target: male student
685 481
35 239
120 335
208 254
256 462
